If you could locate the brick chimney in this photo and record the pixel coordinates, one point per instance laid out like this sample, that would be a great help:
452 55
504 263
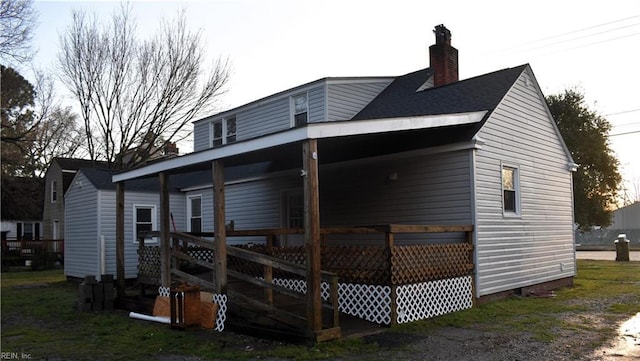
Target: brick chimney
443 58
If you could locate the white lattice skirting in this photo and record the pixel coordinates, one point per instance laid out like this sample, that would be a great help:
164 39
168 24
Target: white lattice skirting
414 302
220 299
430 299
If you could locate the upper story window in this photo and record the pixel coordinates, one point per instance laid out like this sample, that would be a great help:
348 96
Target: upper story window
223 131
510 191
54 191
300 107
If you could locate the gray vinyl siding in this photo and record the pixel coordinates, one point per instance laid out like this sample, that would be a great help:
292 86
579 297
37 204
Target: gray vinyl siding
200 135
328 101
251 205
430 189
317 102
91 215
346 100
108 225
536 246
263 118
81 231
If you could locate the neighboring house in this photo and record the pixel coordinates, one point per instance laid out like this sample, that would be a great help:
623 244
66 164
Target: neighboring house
57 180
626 220
418 149
22 200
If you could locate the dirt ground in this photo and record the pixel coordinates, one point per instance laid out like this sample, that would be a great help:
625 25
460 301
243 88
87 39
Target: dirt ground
478 344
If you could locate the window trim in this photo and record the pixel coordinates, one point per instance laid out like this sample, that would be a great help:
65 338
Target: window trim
516 189
189 211
154 222
225 136
292 109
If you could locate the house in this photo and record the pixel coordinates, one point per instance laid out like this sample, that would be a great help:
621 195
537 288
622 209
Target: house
22 200
57 180
443 193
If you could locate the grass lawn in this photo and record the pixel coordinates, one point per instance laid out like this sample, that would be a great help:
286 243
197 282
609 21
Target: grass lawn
38 318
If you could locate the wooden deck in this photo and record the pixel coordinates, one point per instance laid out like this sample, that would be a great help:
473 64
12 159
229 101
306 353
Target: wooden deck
266 285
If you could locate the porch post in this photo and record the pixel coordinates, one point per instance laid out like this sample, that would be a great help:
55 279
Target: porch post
312 233
165 246
219 227
120 282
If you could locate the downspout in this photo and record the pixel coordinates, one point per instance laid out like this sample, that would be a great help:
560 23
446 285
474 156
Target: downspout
573 167
102 257
474 214
100 245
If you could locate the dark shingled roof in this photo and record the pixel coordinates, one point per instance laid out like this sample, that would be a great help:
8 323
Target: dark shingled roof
73 164
22 198
76 163
400 98
101 179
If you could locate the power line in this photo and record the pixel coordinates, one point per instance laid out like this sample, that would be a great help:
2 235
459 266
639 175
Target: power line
513 48
625 133
623 112
583 37
585 45
579 30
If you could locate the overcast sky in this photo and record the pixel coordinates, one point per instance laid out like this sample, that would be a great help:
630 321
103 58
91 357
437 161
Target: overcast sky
276 45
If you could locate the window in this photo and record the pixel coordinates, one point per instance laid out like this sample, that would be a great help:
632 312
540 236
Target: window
54 191
195 214
510 185
231 130
144 219
223 131
55 229
300 105
28 231
294 209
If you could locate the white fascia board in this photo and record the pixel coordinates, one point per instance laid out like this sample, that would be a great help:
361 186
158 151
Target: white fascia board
214 153
311 131
341 129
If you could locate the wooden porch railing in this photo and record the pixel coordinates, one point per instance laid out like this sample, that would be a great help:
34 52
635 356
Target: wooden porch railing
379 262
187 248
28 249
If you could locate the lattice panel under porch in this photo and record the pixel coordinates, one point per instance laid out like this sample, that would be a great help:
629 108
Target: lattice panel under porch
149 261
369 302
426 262
200 253
433 298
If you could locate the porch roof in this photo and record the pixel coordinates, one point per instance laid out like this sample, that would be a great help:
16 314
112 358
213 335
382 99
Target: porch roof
337 141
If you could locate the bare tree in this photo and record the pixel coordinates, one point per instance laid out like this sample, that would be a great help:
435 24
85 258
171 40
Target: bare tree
630 192
17 22
136 95
35 128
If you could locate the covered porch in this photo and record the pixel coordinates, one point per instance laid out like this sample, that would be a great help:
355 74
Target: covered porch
380 280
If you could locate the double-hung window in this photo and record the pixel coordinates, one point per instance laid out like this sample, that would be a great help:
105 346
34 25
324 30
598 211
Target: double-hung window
510 191
54 191
223 131
144 220
195 214
294 203
300 109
